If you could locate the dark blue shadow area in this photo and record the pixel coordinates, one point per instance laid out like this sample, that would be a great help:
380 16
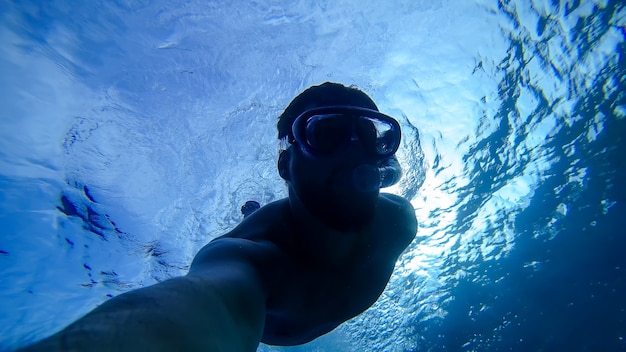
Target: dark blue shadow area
563 285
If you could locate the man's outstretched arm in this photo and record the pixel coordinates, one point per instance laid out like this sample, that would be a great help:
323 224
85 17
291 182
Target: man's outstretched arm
218 306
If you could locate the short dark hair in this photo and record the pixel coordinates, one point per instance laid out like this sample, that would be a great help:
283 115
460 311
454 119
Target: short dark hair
326 94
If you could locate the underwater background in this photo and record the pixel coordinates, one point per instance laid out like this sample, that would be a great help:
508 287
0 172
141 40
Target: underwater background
132 131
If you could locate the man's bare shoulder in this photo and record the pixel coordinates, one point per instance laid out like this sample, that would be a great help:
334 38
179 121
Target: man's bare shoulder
272 218
398 215
232 248
396 200
249 244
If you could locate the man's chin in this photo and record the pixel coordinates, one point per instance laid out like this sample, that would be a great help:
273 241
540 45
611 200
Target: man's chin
350 213
343 209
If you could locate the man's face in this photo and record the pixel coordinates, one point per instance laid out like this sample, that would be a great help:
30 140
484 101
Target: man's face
334 161
325 184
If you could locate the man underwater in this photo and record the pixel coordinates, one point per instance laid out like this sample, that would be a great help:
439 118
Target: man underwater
292 270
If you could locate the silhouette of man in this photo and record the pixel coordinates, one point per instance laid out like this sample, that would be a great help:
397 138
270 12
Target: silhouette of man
292 270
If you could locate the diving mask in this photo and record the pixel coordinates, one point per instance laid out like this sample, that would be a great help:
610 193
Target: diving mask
323 130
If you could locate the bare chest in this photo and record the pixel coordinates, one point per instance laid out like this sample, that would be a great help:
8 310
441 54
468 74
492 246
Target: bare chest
315 299
339 293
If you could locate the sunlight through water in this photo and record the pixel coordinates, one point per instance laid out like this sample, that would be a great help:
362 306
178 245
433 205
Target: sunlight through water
133 131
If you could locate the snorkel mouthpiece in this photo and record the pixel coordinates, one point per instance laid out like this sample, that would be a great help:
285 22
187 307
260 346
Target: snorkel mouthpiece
369 178
390 172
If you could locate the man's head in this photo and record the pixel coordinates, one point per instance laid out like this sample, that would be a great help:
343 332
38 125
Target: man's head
337 142
326 94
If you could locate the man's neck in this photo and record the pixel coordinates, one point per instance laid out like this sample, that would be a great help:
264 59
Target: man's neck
318 239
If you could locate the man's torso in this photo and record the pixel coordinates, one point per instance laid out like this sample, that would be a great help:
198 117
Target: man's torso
313 290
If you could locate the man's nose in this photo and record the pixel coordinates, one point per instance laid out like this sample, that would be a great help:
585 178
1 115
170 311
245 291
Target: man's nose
356 151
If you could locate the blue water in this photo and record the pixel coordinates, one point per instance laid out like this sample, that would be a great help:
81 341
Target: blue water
132 132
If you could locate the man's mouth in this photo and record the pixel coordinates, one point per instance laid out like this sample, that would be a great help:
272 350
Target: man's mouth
364 178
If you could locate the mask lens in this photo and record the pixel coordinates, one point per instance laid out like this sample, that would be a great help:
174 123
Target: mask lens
325 133
324 130
378 135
